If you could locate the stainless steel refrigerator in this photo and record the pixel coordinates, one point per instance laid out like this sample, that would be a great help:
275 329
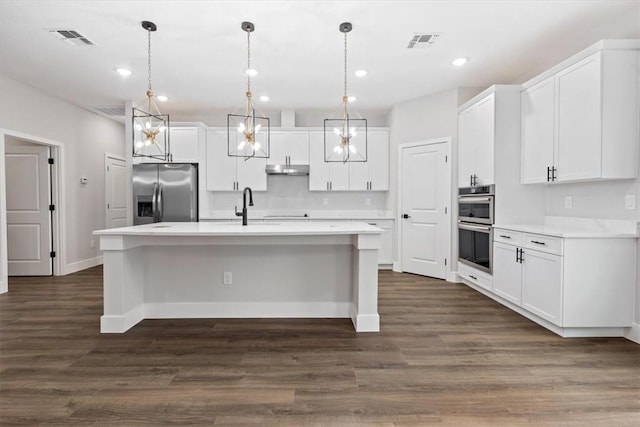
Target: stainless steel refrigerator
165 192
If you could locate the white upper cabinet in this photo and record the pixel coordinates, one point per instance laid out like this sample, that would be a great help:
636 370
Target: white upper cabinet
289 148
325 176
184 142
226 173
372 175
581 122
537 106
476 134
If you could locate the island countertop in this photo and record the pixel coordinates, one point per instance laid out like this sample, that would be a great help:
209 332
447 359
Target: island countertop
256 229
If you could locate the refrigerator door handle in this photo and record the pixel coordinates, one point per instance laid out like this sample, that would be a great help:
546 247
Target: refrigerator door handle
160 204
154 202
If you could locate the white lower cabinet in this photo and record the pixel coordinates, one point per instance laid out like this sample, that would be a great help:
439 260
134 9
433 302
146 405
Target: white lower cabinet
542 285
583 285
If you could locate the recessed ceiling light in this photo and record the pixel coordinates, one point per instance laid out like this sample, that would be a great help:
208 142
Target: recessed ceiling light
351 98
251 72
459 62
361 73
264 98
162 98
123 72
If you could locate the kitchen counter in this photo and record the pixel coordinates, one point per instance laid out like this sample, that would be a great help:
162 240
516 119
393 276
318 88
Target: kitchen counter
217 270
565 231
569 227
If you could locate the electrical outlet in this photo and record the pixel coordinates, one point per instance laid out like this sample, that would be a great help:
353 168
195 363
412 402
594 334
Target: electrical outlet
568 202
92 243
325 202
227 278
367 202
630 201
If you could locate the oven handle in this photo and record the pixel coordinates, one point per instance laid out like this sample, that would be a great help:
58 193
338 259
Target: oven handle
482 228
468 199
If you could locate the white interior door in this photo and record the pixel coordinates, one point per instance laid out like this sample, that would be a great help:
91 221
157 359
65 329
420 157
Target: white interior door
28 214
424 190
116 192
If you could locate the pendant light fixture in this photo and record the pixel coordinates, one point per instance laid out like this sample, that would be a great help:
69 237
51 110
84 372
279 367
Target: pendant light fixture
345 134
248 134
150 127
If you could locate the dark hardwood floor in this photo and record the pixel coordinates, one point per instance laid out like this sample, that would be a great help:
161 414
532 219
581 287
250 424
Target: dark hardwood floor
446 355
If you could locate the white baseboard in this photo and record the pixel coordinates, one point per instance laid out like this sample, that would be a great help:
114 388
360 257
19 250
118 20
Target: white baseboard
385 266
168 310
120 324
82 265
3 287
453 276
633 333
396 267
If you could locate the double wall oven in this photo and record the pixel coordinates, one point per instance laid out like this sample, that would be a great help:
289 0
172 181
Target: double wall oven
475 226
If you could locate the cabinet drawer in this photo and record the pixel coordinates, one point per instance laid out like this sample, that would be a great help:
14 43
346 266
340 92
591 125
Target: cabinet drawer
507 236
543 243
477 277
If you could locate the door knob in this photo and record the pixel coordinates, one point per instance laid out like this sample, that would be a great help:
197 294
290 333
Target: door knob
406 216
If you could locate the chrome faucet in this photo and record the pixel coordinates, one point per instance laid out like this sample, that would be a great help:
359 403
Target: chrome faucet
243 214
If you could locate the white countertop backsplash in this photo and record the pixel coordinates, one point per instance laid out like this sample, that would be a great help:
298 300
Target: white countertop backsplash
570 227
364 215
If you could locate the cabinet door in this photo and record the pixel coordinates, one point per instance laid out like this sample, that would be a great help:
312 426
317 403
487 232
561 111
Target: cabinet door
378 161
484 140
542 285
251 173
385 253
299 148
221 169
538 115
279 150
507 281
339 176
184 144
578 152
467 126
359 171
319 170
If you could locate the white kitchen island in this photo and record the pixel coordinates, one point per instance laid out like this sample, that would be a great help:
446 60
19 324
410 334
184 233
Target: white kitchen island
178 270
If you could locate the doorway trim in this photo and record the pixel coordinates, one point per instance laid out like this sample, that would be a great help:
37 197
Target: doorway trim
397 266
58 198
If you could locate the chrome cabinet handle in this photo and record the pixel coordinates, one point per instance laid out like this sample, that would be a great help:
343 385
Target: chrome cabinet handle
504 236
473 277
537 242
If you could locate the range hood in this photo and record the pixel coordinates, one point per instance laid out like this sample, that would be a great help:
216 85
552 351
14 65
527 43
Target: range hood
290 170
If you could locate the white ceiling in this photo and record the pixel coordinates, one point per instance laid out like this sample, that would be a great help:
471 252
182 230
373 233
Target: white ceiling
199 50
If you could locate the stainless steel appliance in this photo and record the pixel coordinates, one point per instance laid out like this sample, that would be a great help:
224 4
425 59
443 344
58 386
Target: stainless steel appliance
475 231
165 192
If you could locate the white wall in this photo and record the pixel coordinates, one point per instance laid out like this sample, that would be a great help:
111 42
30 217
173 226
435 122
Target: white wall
86 137
420 119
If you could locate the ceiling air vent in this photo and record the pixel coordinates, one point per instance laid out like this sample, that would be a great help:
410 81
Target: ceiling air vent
114 111
423 40
72 37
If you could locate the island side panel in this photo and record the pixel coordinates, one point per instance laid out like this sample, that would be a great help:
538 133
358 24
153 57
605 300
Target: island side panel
297 280
364 311
122 284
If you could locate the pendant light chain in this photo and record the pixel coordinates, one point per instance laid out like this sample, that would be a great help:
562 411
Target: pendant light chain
149 57
345 66
248 62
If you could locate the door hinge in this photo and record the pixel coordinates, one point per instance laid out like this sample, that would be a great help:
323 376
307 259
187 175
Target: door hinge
50 160
107 168
107 205
445 209
445 261
446 159
52 207
52 254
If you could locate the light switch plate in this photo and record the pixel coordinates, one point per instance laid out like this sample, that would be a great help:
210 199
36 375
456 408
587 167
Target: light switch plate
568 202
630 201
